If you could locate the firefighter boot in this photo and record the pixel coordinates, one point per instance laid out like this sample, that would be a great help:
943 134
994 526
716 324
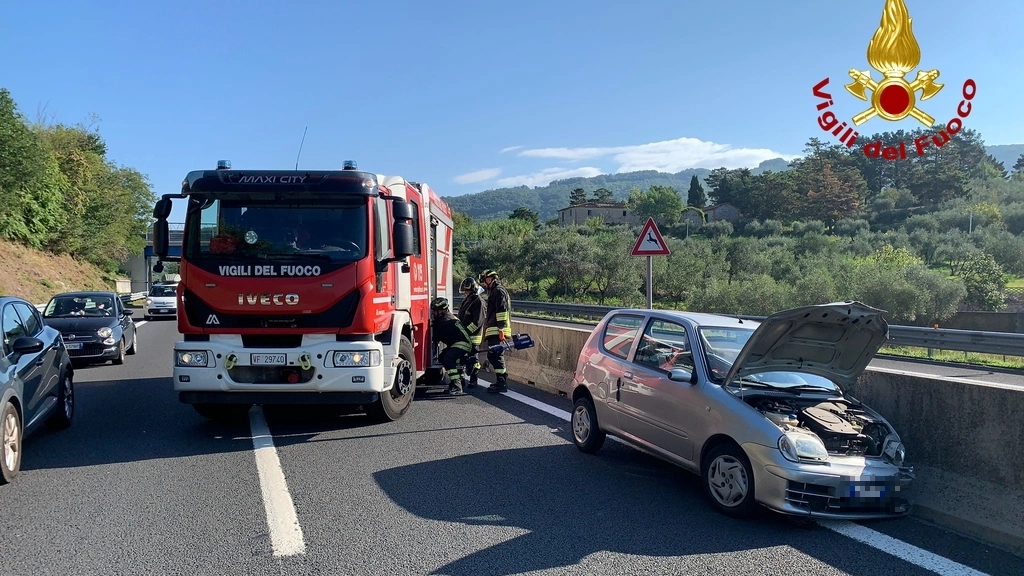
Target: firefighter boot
500 384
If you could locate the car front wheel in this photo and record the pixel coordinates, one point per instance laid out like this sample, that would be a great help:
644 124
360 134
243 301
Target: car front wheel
586 434
729 481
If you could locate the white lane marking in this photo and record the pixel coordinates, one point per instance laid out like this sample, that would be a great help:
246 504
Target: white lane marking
900 549
285 532
888 544
141 323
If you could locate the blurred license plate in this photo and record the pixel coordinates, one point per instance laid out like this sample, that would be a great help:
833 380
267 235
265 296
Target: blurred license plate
73 345
268 360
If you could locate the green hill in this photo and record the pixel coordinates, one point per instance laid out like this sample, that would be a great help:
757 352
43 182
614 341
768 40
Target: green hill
547 200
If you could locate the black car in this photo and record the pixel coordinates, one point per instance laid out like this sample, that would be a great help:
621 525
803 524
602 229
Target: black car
35 380
95 325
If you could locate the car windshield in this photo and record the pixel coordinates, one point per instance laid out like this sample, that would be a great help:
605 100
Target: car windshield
69 306
225 229
162 291
722 346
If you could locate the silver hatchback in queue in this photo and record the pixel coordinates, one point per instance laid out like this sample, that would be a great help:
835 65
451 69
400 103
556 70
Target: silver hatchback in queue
756 409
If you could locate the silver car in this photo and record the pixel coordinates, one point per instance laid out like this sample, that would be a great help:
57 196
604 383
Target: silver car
756 409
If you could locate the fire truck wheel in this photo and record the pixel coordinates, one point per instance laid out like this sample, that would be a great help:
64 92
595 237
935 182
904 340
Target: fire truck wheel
394 403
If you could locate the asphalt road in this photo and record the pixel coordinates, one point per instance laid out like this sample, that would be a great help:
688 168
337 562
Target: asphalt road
946 371
476 485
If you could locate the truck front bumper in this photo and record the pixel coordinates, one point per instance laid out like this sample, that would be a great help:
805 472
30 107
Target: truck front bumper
321 370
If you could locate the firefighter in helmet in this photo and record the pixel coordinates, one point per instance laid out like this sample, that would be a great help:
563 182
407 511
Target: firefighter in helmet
471 314
497 327
447 329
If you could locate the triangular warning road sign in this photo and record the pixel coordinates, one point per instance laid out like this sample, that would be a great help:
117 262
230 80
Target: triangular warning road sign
650 242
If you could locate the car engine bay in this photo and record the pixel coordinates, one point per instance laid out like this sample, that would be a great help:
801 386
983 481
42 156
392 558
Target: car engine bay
845 429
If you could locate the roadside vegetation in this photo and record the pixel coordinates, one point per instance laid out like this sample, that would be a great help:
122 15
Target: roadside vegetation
79 214
922 239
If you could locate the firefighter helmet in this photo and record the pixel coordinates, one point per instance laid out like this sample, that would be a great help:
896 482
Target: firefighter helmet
487 274
439 304
468 285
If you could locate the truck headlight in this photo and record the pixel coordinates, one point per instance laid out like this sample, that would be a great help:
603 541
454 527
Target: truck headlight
798 447
191 358
360 358
104 332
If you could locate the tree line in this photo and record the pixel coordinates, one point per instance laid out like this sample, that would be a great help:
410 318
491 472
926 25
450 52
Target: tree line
921 238
60 193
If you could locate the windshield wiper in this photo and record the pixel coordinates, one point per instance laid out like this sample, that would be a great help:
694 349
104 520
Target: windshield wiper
810 388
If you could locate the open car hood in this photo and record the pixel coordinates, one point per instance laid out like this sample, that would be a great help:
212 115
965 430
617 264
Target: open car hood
834 341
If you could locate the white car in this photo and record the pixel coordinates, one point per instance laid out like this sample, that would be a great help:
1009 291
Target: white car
162 301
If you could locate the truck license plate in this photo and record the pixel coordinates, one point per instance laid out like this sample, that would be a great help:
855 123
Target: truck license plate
268 360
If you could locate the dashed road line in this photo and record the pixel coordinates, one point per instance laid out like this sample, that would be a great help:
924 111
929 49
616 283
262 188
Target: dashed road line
282 521
877 540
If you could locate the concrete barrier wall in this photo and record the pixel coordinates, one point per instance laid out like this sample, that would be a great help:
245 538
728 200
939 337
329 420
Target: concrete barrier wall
963 439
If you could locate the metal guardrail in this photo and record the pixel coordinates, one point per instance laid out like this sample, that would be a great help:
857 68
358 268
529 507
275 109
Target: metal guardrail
125 299
917 336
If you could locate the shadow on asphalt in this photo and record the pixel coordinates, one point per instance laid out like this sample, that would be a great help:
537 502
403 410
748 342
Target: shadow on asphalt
574 505
131 420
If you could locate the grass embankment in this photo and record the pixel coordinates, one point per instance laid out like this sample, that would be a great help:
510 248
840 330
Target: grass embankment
36 276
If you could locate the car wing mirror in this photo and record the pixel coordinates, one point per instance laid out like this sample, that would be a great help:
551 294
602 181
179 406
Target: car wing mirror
682 375
27 345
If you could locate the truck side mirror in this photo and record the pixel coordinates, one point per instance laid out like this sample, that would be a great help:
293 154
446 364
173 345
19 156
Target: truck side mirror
160 238
162 209
403 239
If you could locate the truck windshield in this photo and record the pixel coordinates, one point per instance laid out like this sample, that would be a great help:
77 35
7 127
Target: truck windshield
334 230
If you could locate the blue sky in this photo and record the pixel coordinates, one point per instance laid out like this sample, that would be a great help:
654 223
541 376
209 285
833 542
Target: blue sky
434 91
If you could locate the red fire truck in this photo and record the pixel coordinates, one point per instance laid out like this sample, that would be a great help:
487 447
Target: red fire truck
306 287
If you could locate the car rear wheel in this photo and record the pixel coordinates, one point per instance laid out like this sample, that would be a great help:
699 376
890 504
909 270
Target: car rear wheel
10 443
586 434
728 480
65 410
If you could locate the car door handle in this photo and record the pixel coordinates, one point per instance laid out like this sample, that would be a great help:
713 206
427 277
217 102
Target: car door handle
41 361
628 375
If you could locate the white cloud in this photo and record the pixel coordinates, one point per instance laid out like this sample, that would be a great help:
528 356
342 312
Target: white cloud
509 149
478 176
546 176
667 155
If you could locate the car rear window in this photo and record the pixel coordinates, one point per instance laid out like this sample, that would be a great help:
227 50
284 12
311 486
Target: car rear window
619 334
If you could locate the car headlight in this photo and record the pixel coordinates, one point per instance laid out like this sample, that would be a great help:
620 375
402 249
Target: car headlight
360 358
894 450
800 447
149 301
104 332
191 358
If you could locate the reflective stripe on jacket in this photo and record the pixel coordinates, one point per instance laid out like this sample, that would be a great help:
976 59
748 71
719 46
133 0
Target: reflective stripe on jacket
499 309
450 332
471 314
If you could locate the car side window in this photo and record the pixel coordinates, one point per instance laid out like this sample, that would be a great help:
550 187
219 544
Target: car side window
30 318
664 346
12 327
619 334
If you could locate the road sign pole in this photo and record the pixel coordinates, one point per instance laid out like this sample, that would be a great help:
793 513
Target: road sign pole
650 243
650 282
